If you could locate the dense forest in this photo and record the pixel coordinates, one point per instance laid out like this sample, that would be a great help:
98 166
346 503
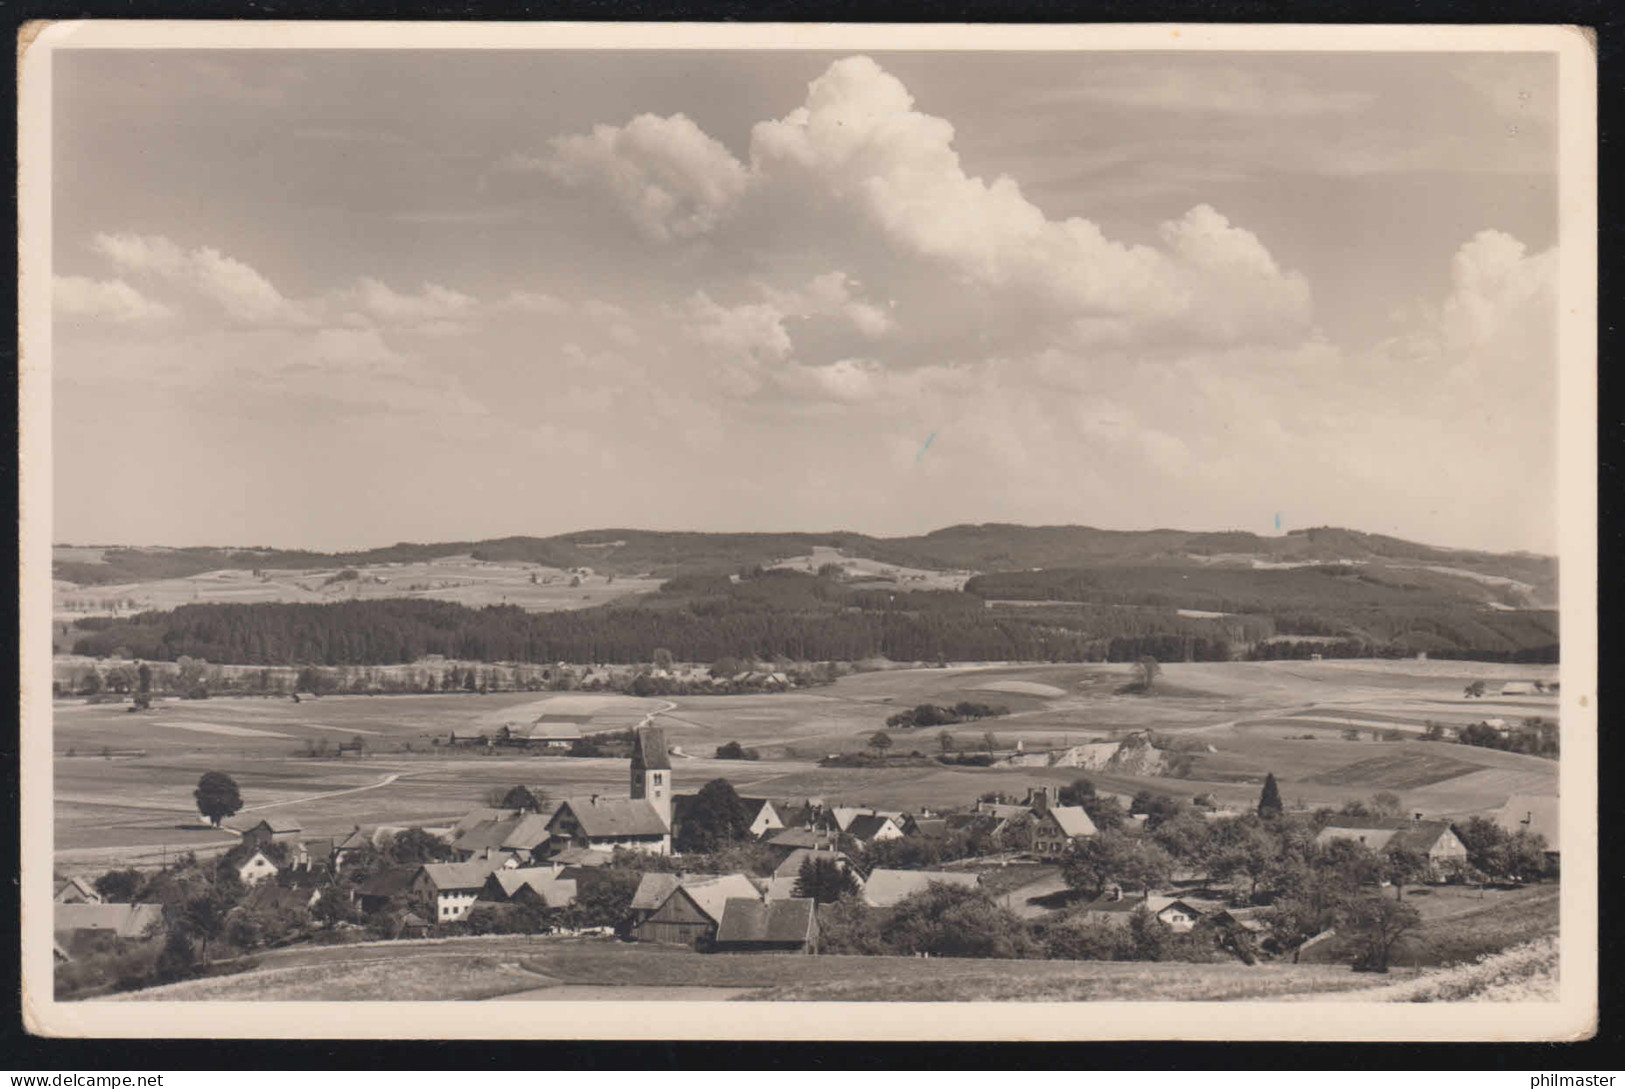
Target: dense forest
788 615
988 548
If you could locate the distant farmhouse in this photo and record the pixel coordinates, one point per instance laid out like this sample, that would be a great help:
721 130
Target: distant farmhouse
1433 840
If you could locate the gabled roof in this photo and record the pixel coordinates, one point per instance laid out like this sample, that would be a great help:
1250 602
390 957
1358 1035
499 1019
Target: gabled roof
929 826
582 858
352 841
649 750
527 833
123 920
866 826
1419 836
1002 810
1073 820
554 891
460 875
278 825
602 818
1107 904
844 815
973 822
482 815
886 888
654 888
710 896
486 834
249 856
1159 904
79 885
751 920
277 897
1372 836
781 888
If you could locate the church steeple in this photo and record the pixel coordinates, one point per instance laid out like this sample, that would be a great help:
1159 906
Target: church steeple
651 771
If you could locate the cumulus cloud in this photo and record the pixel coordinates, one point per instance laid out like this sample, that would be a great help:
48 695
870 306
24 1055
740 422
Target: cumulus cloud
672 179
110 300
234 287
433 304
833 294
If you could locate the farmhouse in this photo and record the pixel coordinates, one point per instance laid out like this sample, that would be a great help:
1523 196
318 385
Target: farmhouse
375 893
888 888
1176 915
788 842
256 868
75 890
272 830
750 925
1055 828
452 886
544 734
641 822
1536 814
282 898
1433 840
347 847
691 912
76 924
521 837
534 885
873 828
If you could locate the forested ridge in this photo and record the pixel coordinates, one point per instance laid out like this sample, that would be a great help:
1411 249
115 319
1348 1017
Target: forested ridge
799 617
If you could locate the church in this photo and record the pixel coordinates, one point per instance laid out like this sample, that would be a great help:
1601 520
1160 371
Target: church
641 822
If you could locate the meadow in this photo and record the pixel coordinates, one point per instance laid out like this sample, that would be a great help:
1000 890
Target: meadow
123 781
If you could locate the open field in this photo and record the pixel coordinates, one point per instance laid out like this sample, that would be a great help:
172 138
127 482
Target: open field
461 579
1237 717
598 968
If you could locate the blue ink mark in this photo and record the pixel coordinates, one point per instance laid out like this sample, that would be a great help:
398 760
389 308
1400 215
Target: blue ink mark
1277 521
928 440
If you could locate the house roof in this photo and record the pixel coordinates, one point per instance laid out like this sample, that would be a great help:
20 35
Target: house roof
1159 904
711 896
277 897
124 920
554 891
352 841
1003 811
602 818
844 815
1385 833
460 875
582 858
970 822
485 834
751 920
930 826
527 833
249 856
1541 811
1373 837
482 815
278 825
653 889
886 888
388 882
867 826
781 888
801 838
1419 836
1073 820
411 918
80 885
649 750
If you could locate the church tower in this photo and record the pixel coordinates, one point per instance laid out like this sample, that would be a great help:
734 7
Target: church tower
651 771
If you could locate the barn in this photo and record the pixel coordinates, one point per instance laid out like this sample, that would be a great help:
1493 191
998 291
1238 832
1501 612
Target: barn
691 913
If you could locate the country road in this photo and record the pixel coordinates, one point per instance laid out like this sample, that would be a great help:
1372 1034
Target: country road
385 781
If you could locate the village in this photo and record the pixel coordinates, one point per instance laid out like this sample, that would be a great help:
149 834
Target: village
1058 872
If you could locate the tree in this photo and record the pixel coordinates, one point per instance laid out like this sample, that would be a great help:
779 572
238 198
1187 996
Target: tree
217 796
143 678
880 742
824 880
1385 803
119 886
203 918
517 797
1146 670
733 750
1269 800
414 846
945 742
1405 867
663 659
714 819
1474 690
1079 792
1379 923
1114 858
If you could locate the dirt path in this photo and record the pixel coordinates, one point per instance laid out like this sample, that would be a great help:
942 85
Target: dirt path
385 781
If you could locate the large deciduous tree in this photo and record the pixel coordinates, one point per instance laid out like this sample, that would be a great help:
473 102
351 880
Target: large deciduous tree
824 880
217 796
714 819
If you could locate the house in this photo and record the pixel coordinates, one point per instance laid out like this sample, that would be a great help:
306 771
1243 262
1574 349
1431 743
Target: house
347 847
641 822
873 828
536 885
764 816
452 887
750 925
925 826
788 842
75 890
888 888
690 914
273 830
1176 915
1432 840
375 893
547 735
268 897
790 865
1536 814
256 867
75 925
521 836
1056 827
413 925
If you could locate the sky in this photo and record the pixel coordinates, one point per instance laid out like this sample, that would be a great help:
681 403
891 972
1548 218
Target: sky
334 300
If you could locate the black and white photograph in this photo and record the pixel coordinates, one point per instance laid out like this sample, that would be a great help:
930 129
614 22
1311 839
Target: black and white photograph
1072 532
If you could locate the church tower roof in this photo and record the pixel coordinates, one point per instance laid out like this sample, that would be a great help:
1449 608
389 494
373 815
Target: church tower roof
649 750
